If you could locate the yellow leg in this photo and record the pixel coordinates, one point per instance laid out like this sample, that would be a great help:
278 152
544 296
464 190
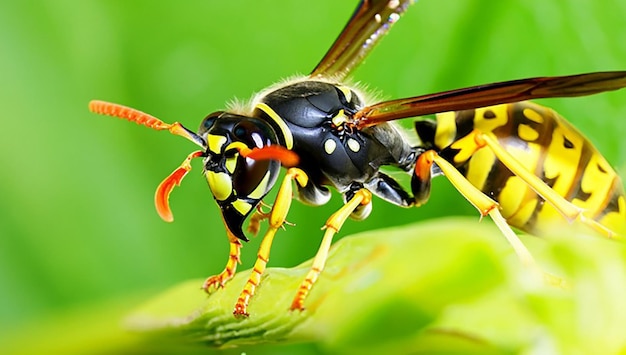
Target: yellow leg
255 220
276 219
220 279
566 208
332 226
485 205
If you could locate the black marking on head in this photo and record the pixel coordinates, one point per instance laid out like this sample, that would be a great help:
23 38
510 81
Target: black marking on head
601 168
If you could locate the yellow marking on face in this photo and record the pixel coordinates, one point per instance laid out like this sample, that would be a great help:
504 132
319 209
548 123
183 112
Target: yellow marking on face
242 207
279 121
330 146
446 129
231 163
354 145
221 184
533 115
216 143
346 92
339 119
260 189
527 133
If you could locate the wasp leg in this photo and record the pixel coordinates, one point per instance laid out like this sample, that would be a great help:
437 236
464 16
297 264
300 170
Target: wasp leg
220 279
484 204
570 211
361 197
276 220
313 194
388 189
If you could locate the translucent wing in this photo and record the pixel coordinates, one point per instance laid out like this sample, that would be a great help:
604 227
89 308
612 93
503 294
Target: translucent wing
491 94
370 21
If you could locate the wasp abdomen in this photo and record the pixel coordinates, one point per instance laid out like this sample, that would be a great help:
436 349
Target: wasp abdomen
549 147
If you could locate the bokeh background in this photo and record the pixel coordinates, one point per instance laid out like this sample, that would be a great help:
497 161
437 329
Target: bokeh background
77 224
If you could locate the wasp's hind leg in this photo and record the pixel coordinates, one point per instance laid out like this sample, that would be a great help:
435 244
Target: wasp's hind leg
357 197
570 211
420 184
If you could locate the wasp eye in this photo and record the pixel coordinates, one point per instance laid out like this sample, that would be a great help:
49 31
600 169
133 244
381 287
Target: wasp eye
240 132
252 133
208 122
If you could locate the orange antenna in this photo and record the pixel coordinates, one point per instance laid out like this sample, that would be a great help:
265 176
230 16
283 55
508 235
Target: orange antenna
142 118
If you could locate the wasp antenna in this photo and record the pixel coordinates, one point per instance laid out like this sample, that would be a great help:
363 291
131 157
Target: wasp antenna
144 119
127 113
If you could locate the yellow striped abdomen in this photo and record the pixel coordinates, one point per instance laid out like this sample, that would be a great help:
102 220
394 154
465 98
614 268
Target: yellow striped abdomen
549 147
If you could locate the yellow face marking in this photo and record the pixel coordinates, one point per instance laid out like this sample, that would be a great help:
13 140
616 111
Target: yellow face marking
340 118
279 121
221 184
527 133
237 145
231 163
330 146
242 207
354 145
260 189
216 143
346 92
446 129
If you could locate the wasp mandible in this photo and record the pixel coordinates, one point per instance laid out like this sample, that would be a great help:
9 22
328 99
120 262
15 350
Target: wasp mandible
519 163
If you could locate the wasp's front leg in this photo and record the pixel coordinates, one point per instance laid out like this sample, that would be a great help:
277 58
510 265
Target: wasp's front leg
276 220
219 280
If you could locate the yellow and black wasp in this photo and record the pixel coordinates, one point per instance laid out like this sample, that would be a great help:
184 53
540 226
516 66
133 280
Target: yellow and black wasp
519 163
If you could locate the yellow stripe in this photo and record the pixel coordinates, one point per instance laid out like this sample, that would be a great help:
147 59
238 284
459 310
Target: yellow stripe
279 121
221 184
346 92
242 207
231 164
446 129
260 189
216 143
479 167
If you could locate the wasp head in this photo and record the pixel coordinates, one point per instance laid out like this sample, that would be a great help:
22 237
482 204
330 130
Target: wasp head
238 183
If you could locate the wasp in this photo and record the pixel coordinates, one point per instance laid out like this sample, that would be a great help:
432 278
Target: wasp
517 162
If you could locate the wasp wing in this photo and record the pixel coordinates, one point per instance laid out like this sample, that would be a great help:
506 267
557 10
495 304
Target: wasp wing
491 94
370 21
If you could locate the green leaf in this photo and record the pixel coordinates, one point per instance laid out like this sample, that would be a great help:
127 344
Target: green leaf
381 290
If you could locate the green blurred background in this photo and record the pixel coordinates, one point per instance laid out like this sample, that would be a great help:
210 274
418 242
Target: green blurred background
77 225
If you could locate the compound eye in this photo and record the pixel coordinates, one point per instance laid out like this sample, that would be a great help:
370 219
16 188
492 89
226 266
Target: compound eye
252 134
208 122
251 175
